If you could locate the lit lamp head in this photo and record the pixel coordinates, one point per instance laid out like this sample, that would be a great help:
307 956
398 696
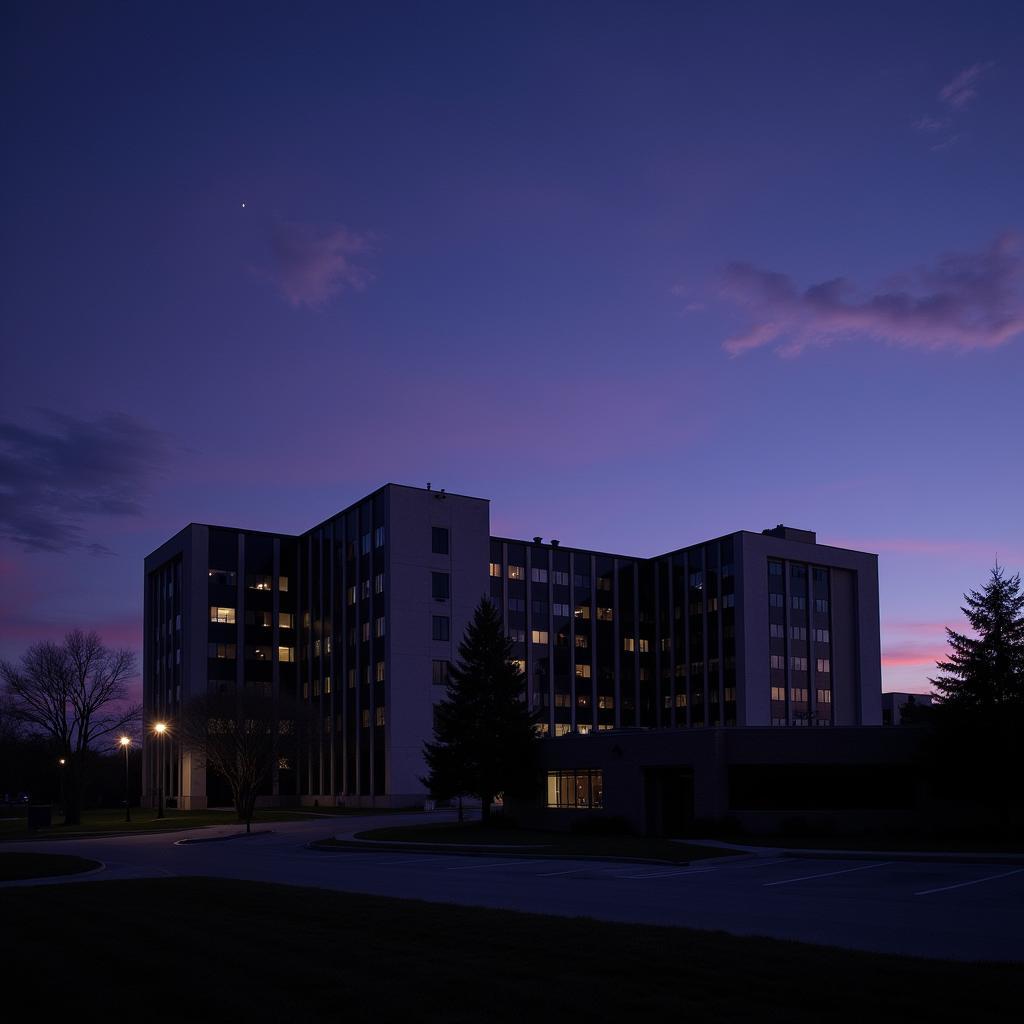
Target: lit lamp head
61 761
125 741
159 728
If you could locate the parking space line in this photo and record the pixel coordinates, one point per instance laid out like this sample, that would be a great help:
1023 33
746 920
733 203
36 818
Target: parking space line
826 874
555 874
974 881
499 864
671 874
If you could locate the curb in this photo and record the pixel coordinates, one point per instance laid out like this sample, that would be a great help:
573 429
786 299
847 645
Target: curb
224 839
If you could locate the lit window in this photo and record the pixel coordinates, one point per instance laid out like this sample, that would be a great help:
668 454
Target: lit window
605 701
519 664
604 614
379 672
327 684
776 630
378 626
496 569
285 620
730 693
645 646
680 700
582 640
316 648
261 583
582 611
380 715
561 728
778 693
282 584
583 700
582 789
286 654
824 696
517 572
539 636
777 661
378 583
440 626
539 575
628 644
798 693
823 665
582 671
584 730
218 614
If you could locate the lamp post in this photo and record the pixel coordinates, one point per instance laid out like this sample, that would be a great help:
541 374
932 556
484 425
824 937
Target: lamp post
160 730
126 742
61 762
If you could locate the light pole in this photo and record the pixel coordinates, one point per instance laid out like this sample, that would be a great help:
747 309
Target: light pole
61 762
160 730
126 742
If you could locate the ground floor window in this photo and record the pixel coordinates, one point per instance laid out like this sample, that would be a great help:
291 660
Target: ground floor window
581 789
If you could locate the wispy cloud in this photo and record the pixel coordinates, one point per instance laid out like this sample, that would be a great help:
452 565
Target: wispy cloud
313 264
962 89
52 481
965 301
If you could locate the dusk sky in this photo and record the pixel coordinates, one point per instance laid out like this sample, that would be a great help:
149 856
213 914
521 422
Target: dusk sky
640 273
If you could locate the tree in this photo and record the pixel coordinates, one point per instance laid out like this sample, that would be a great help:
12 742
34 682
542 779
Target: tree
240 734
984 674
975 748
484 733
75 694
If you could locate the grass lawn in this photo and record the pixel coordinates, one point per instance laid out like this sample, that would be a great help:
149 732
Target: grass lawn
240 950
41 865
552 843
145 820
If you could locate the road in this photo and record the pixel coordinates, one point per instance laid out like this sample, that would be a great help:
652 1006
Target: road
949 910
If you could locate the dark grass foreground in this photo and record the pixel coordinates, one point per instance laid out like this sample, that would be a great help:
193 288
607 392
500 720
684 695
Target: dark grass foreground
41 865
204 949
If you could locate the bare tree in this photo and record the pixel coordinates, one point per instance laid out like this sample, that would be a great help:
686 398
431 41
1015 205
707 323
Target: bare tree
76 695
240 734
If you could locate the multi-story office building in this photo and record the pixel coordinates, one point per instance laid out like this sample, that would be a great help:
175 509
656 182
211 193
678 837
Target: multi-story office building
360 618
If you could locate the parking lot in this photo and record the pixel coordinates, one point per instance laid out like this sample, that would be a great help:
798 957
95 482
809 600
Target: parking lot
969 911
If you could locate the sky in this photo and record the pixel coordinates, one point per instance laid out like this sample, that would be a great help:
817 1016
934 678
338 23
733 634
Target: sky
640 273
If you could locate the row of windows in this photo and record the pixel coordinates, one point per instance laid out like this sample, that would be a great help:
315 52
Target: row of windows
799 693
777 631
219 613
797 602
256 652
799 664
229 578
797 571
376 671
364 588
576 790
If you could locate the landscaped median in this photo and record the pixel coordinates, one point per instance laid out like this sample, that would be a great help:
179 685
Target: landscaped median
474 838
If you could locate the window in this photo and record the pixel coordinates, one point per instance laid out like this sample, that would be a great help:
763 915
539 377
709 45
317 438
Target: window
645 646
821 605
539 575
730 693
605 701
220 650
583 700
581 581
439 586
776 600
821 575
798 572
582 640
286 654
364 544
824 696
440 627
351 595
218 614
364 718
604 583
728 600
517 636
379 672
282 584
823 665
517 572
223 577
378 626
797 632
540 608
560 579
380 715
798 693
378 583
561 610
496 569
351 679
563 700
799 602
439 540
260 583
519 664
628 643
604 614
582 611
516 604
776 630
316 688
561 728
327 684
774 568
439 672
364 589
798 664
582 671
258 652
538 636
286 620
581 790
778 693
365 632
777 661
727 569
378 537
680 700
821 636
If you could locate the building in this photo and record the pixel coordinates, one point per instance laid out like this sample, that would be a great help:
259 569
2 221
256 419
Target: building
361 616
895 703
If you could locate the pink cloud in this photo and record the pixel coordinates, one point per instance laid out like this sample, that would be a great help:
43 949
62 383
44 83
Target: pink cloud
962 88
913 654
965 301
312 265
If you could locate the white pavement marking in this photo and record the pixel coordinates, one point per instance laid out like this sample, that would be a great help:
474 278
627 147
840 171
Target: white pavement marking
555 874
499 864
827 874
975 881
671 874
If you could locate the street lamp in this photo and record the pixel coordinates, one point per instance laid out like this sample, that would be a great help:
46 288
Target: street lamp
160 730
61 762
126 742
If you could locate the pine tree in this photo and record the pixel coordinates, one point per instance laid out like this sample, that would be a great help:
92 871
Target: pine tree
484 736
984 674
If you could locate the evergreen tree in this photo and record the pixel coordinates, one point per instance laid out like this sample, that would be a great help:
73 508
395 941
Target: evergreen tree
984 674
484 735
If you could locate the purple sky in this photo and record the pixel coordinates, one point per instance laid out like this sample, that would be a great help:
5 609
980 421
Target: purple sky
641 273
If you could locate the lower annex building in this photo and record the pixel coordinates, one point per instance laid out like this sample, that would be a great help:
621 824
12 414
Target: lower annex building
361 616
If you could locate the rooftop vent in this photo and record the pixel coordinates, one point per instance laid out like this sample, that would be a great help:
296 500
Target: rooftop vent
789 533
554 543
538 540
